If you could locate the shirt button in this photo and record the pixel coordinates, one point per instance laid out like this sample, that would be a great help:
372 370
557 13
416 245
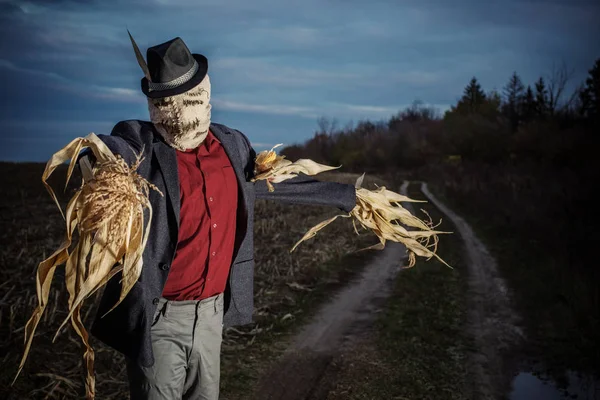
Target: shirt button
210 198
214 225
214 253
155 301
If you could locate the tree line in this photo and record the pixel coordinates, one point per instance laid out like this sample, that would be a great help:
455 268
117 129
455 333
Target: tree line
537 122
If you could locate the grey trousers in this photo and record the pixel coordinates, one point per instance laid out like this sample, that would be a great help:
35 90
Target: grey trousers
186 341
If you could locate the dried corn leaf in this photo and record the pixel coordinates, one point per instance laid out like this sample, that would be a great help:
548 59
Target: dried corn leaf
108 214
381 212
273 168
313 231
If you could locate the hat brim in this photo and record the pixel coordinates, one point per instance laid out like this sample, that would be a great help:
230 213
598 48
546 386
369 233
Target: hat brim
196 79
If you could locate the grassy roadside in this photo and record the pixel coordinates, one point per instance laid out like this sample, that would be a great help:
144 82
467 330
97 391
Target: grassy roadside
417 349
554 285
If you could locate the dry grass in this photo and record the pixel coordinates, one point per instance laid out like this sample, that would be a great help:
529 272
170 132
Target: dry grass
286 285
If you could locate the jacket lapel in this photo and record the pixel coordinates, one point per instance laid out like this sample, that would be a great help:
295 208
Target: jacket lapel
167 160
228 142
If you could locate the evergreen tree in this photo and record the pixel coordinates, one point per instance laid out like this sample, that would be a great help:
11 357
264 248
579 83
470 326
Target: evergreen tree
492 105
495 100
514 93
472 99
529 104
590 95
541 98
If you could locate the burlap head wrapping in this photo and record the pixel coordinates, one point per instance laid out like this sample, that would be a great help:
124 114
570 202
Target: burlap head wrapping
183 120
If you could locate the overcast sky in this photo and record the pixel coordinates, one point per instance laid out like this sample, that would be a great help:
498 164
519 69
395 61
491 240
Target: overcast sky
67 67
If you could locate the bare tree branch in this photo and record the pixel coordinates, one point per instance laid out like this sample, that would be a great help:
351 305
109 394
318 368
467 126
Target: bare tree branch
557 81
326 125
575 98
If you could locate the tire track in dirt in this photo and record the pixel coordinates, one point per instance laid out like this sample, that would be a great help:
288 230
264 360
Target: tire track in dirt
492 323
297 374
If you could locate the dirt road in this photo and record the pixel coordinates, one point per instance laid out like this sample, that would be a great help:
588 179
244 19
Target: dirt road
299 372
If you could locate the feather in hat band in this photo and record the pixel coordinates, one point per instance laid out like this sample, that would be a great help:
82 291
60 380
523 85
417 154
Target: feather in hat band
175 82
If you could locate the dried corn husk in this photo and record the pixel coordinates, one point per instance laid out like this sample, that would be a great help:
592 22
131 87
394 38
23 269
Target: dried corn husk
108 214
381 212
273 168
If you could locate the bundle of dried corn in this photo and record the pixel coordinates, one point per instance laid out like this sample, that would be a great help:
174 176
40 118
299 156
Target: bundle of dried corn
108 214
378 210
381 212
273 168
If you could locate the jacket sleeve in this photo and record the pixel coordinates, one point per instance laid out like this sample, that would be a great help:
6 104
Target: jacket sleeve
304 189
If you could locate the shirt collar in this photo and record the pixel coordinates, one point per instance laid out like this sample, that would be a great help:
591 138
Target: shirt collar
210 139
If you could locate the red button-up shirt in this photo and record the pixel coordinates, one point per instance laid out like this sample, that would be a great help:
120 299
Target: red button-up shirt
208 193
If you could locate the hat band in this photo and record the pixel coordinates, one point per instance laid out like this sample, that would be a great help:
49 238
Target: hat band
175 82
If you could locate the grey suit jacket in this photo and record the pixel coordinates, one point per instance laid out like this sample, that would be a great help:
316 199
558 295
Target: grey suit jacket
127 327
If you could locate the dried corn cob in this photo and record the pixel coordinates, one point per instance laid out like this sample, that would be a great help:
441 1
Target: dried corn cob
273 168
108 214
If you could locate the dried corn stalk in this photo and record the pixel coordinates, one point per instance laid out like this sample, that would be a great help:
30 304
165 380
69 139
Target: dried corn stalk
273 168
108 213
380 211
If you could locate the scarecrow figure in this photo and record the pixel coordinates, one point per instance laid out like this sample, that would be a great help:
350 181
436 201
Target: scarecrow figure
165 221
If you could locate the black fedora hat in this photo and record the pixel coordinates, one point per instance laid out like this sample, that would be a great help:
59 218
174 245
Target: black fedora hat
171 69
